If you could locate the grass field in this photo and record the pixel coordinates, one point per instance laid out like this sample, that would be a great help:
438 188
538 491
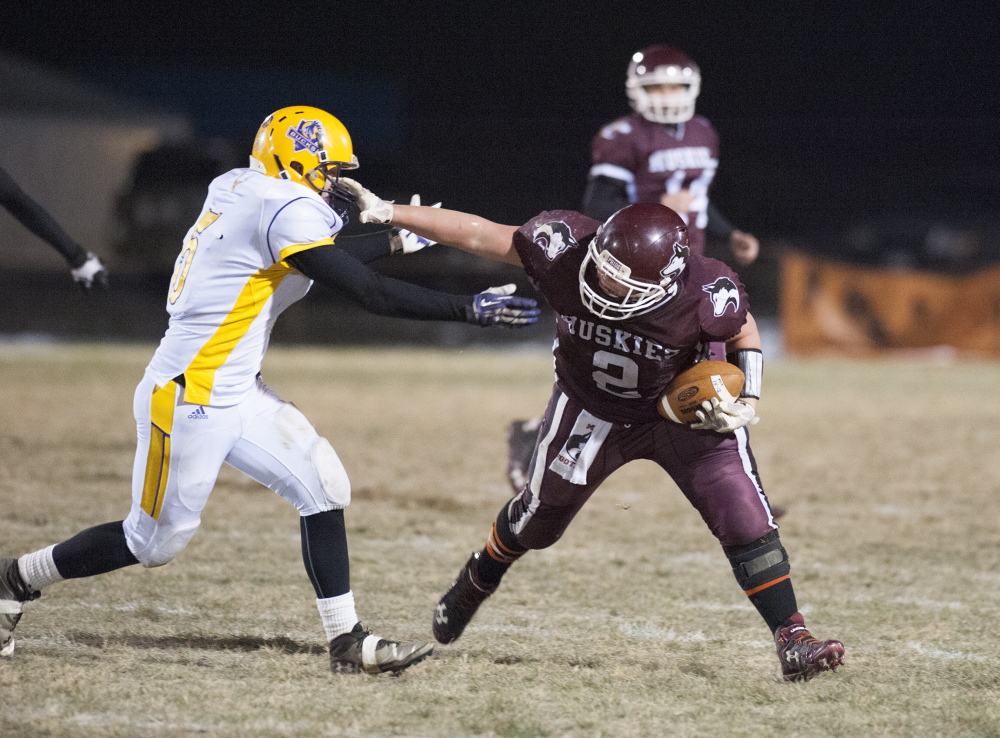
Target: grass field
632 625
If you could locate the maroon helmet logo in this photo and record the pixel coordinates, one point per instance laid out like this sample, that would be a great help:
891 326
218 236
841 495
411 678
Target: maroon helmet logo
676 264
724 293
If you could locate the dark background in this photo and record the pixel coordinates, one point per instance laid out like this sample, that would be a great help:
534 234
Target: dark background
831 114
826 110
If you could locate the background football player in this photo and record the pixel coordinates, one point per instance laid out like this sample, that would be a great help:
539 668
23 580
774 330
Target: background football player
86 269
634 307
265 233
661 152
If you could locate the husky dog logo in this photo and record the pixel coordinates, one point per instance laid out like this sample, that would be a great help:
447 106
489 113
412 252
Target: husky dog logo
554 238
307 136
724 293
677 263
575 443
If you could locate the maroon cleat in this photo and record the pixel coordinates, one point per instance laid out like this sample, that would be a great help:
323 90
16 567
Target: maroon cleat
459 604
802 656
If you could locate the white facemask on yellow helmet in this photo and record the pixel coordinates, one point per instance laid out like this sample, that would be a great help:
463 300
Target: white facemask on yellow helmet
305 145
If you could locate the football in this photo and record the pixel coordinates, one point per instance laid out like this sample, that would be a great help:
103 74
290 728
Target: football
703 381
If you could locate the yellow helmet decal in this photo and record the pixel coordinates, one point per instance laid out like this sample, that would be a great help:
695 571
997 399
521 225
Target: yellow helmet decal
302 144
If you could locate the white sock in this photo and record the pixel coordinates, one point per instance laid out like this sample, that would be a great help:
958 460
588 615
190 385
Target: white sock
38 569
338 614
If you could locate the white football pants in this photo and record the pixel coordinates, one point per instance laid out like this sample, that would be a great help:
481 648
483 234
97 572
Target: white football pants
181 448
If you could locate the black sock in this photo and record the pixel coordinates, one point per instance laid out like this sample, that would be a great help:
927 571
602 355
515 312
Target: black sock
324 552
776 604
501 550
763 572
96 550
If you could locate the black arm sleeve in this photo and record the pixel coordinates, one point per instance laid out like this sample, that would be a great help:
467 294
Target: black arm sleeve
367 247
37 220
366 242
332 267
718 226
604 197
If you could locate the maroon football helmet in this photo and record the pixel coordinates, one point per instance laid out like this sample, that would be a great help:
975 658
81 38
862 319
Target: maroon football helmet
662 65
638 255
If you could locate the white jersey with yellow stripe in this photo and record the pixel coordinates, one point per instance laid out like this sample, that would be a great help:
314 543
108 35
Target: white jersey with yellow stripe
231 282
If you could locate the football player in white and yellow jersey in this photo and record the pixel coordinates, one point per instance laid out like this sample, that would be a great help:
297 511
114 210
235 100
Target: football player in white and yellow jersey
264 235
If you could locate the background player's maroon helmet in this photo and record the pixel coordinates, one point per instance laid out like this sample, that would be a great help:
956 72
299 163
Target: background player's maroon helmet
662 65
639 252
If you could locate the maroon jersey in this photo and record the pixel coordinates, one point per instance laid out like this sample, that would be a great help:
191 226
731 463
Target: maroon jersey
653 159
619 368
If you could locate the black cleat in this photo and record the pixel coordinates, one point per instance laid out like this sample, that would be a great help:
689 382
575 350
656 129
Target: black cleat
360 651
459 604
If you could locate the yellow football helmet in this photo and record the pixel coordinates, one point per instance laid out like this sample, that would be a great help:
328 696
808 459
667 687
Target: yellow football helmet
303 144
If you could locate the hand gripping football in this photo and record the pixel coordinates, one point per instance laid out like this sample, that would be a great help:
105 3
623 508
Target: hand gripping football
703 381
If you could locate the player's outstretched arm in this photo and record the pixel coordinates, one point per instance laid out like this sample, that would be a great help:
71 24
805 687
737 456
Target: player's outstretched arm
87 269
464 231
331 266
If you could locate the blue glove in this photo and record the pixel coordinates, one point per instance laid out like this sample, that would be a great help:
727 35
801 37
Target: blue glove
498 306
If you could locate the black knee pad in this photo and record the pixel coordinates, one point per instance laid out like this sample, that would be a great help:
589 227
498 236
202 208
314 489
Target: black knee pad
759 562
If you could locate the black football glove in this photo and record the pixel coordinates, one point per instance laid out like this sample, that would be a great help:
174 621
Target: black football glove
498 306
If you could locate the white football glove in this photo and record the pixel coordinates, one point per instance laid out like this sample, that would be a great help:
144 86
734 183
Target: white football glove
725 416
373 208
90 274
406 242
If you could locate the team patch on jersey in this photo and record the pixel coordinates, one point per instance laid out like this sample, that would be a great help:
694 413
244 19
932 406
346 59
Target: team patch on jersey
307 136
585 440
724 293
554 238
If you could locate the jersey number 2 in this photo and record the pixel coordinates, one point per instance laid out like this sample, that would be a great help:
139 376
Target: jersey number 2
183 264
623 385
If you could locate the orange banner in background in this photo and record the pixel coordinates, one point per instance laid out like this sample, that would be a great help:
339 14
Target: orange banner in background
830 306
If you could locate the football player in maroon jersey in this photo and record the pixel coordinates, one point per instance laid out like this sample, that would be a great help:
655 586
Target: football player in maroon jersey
634 307
661 152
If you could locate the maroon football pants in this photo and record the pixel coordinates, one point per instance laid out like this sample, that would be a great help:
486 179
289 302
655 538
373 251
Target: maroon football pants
575 452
